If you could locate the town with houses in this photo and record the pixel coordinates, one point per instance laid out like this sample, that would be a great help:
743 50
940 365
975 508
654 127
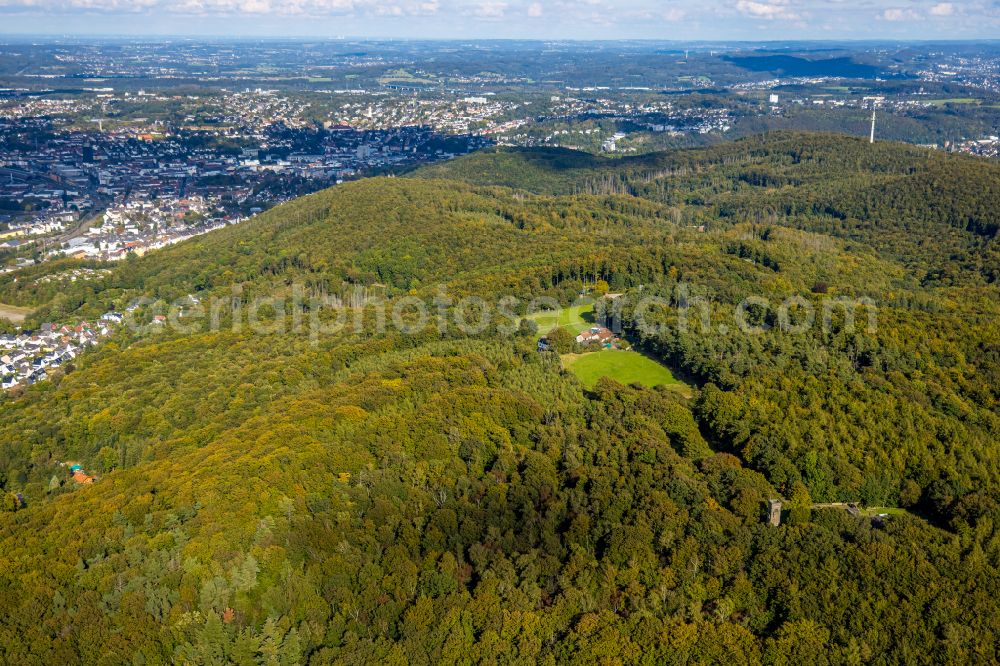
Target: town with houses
27 358
103 194
74 182
105 157
102 156
140 226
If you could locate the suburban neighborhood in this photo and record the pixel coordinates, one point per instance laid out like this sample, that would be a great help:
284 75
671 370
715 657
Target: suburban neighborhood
28 358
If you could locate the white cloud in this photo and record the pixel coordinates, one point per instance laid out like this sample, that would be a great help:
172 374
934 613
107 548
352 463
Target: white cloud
224 7
899 14
487 9
700 19
775 9
255 6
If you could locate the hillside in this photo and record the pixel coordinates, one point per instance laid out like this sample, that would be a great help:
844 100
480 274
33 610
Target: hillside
306 492
933 211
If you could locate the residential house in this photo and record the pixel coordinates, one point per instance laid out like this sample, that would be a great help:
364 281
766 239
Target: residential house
596 335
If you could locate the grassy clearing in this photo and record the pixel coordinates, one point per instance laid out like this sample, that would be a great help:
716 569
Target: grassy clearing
575 319
14 313
404 77
872 511
866 511
626 367
954 100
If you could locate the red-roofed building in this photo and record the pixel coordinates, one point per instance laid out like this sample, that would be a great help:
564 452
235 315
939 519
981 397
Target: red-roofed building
598 334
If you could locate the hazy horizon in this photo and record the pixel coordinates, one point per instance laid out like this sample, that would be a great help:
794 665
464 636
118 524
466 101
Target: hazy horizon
690 20
154 36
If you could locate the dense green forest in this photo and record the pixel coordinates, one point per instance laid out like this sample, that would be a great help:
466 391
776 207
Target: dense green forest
372 495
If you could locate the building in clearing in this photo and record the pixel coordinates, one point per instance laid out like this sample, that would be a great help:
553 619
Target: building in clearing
774 512
79 475
596 334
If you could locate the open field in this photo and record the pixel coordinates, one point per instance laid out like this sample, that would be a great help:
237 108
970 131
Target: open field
866 511
14 313
891 510
575 319
626 367
954 100
401 76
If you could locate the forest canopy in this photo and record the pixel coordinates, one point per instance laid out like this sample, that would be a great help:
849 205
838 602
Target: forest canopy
444 496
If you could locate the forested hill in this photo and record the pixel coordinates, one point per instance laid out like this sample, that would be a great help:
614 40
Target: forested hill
308 493
934 211
812 156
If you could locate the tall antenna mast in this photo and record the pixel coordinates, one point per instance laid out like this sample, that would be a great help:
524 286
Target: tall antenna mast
872 138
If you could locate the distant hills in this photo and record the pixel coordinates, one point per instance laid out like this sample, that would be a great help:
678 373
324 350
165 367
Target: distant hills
925 208
793 66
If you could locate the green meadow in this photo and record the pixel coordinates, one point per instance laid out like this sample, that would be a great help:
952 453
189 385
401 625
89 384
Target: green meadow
625 367
575 319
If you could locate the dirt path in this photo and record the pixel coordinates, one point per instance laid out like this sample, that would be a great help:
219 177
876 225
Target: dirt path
14 313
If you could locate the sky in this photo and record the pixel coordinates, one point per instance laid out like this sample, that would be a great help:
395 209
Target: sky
513 19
